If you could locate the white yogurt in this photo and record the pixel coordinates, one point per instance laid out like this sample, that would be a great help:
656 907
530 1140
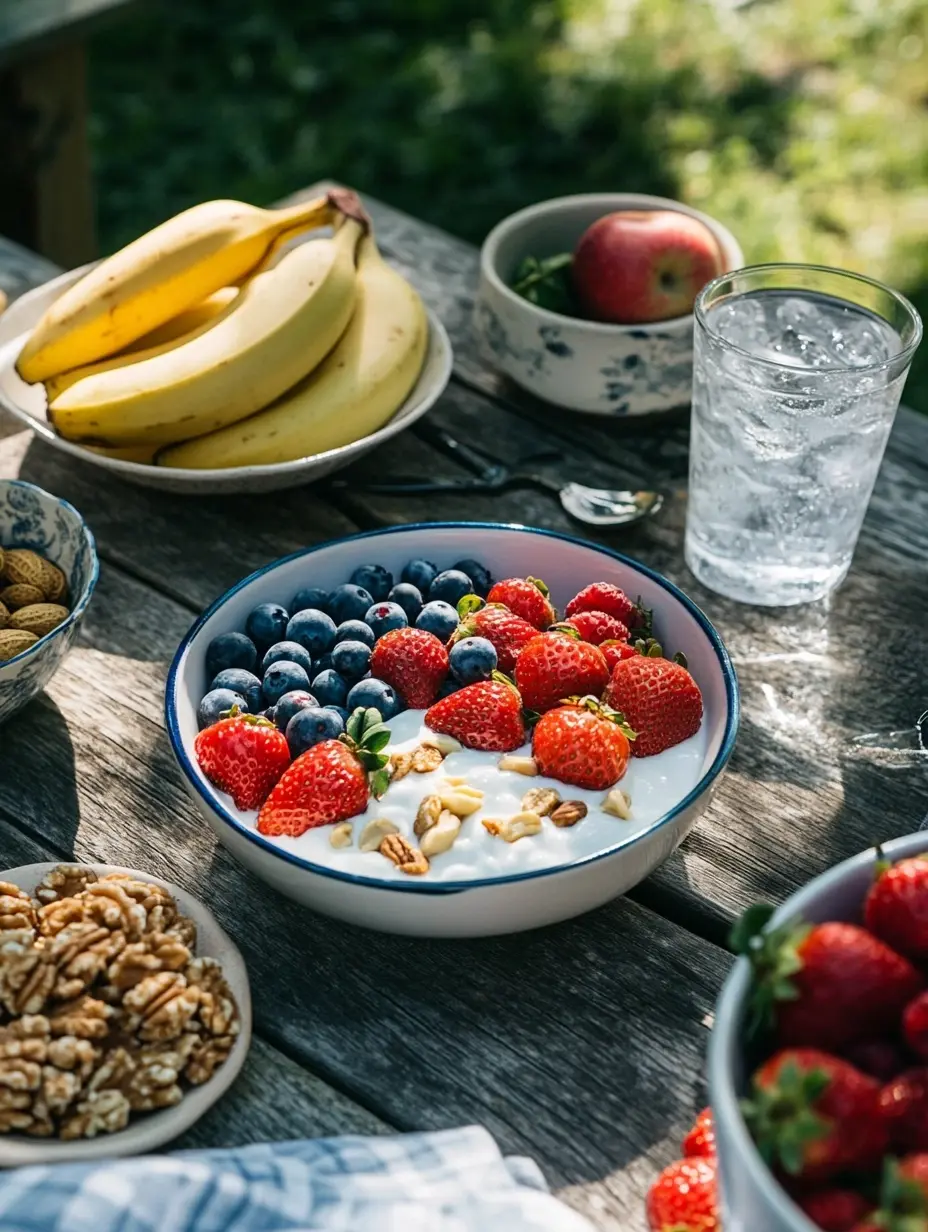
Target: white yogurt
655 785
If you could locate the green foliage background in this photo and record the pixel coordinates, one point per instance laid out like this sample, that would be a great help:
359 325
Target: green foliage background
803 124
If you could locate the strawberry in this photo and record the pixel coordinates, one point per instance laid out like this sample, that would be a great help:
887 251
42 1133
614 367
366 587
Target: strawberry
684 1198
414 662
614 652
596 627
904 1108
557 665
330 781
896 907
915 1025
903 1198
243 755
835 1210
660 699
881 1058
583 743
527 597
701 1138
486 715
826 986
604 597
507 631
813 1115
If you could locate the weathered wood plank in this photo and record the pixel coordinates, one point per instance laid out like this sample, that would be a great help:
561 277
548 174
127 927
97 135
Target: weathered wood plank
27 26
87 771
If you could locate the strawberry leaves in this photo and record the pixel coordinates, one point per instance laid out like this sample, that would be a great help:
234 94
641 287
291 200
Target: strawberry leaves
774 958
781 1117
366 735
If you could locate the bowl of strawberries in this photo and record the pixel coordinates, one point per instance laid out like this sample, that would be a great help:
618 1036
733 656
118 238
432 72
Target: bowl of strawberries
818 1062
409 729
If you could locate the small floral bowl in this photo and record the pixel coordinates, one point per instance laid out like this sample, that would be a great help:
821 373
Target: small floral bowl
31 518
578 364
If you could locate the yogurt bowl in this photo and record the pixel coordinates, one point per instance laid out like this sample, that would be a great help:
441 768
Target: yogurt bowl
484 886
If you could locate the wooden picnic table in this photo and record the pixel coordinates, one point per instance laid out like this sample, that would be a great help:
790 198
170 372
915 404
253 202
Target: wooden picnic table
582 1044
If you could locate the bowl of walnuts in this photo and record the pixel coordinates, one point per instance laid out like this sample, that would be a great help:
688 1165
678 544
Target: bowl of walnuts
48 571
125 1013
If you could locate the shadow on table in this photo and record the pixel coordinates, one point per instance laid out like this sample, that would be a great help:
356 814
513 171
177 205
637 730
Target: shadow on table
38 785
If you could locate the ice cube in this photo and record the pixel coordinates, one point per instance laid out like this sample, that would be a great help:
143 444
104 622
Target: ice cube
860 341
740 321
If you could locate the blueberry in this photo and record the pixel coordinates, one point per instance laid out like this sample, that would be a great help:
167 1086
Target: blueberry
439 618
310 596
313 630
384 617
293 652
312 726
451 586
324 663
290 704
351 659
354 631
283 677
408 597
479 575
230 650
216 701
420 573
472 659
348 602
376 693
240 681
330 689
267 624
375 579
341 711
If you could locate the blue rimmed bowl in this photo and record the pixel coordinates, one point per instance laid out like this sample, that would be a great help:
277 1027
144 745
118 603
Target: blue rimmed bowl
33 518
479 906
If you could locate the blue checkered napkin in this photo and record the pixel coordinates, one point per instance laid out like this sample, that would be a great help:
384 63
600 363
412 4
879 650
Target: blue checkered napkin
455 1181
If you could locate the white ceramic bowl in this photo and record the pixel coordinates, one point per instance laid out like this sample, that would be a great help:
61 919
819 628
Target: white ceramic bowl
153 1129
28 403
490 905
752 1199
32 518
583 365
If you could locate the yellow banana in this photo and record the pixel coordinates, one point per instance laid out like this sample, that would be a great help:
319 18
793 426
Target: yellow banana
186 326
126 453
155 277
352 393
280 326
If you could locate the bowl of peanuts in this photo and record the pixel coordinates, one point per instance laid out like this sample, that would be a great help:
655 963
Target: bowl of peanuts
48 571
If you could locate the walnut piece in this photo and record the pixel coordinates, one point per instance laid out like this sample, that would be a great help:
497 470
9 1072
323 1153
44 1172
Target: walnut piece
408 859
81 952
102 1112
399 765
83 1018
541 800
427 815
17 913
161 1006
427 757
522 825
26 978
155 952
441 836
217 1009
569 813
207 1056
159 907
65 881
374 833
618 803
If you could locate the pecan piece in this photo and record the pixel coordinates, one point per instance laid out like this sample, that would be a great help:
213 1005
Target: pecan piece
407 858
569 813
427 816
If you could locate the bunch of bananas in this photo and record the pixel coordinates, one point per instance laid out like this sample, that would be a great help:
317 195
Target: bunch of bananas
206 344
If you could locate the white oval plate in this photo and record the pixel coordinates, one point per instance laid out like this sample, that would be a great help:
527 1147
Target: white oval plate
27 403
148 1130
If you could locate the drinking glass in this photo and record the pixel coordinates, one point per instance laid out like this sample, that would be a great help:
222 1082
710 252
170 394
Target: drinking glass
797 375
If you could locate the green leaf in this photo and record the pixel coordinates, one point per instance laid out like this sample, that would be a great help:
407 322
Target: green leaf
377 739
469 604
380 781
546 282
372 718
355 723
752 922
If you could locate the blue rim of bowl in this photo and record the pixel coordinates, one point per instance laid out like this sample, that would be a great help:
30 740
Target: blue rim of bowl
81 606
457 887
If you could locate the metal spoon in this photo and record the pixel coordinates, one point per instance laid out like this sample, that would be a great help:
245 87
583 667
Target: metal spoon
594 506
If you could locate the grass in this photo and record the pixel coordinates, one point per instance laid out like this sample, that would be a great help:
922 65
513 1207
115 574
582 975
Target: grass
802 124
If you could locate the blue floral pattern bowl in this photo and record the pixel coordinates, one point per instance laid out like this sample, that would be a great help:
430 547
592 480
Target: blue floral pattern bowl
31 518
578 364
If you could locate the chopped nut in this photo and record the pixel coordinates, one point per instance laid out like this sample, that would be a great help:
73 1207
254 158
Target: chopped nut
156 952
522 825
569 813
427 815
519 764
81 952
427 758
441 836
27 977
207 1056
374 833
341 835
407 858
445 744
102 1112
65 881
84 1018
161 1006
462 800
618 803
455 780
399 766
541 800
217 1009
17 911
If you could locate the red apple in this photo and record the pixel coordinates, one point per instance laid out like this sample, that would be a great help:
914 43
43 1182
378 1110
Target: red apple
643 265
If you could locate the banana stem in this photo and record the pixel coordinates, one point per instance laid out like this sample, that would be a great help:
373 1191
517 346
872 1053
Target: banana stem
345 203
305 215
